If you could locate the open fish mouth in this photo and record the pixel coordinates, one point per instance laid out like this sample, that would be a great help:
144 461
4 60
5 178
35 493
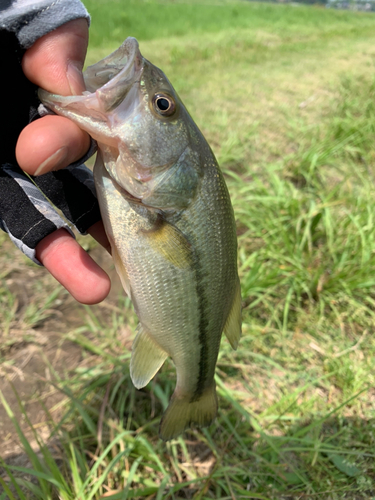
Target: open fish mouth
107 82
116 68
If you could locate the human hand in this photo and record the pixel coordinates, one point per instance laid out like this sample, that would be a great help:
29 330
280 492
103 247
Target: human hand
55 63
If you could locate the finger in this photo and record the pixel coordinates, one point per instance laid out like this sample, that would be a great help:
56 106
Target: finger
55 61
50 143
63 257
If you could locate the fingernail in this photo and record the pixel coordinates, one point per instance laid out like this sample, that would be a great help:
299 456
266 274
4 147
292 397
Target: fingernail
54 162
75 78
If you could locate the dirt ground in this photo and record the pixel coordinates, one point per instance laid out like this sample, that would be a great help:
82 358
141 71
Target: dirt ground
30 356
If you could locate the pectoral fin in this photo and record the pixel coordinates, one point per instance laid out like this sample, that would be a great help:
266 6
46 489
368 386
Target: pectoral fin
170 242
232 328
147 358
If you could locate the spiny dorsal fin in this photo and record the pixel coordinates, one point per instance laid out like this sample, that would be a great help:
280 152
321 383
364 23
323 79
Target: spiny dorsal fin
147 358
232 328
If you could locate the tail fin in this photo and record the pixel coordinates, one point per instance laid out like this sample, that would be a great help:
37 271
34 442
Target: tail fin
182 413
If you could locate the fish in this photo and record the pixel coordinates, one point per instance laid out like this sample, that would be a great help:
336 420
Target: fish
170 223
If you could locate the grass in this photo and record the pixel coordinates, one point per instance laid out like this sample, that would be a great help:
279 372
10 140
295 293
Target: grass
148 19
285 96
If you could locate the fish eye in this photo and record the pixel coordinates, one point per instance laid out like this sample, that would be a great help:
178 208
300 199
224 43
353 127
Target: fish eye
164 104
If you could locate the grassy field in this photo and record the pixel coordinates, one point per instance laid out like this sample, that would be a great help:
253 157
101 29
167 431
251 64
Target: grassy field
285 95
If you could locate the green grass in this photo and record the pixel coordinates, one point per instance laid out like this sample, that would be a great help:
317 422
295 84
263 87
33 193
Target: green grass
148 19
285 95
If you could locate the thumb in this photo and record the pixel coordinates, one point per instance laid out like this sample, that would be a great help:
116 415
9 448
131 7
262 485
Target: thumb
55 61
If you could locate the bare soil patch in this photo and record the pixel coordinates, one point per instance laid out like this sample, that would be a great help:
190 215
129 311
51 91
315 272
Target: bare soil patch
31 356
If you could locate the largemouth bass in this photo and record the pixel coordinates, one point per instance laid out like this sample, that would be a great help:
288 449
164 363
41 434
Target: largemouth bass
170 223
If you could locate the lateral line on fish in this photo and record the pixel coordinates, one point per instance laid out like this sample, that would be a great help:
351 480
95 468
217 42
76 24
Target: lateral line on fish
203 324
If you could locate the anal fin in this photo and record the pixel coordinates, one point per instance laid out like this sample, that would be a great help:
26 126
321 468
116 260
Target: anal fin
232 328
147 358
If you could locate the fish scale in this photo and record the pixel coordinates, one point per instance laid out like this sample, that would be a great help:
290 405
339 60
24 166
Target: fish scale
168 216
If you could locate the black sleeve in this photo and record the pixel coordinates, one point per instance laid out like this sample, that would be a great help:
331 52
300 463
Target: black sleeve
26 214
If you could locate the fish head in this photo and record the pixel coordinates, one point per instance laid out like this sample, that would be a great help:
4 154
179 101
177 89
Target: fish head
147 140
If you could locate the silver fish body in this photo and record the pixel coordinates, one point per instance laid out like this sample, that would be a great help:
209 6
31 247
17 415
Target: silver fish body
169 219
